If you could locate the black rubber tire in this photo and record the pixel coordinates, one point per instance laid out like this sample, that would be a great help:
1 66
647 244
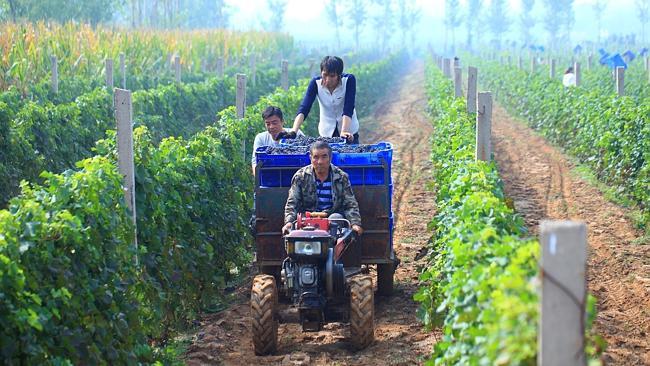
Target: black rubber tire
264 300
362 311
385 282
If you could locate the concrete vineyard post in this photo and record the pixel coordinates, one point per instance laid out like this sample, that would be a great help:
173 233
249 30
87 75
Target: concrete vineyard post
520 63
563 293
109 73
472 78
578 73
533 65
123 69
55 74
284 82
177 68
220 67
312 63
456 62
240 105
240 100
552 72
458 82
126 166
447 68
620 81
483 127
253 69
590 59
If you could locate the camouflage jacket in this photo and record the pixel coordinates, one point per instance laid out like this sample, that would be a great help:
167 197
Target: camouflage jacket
302 195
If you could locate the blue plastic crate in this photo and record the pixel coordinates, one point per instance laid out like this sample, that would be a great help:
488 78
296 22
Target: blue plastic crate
281 160
369 176
362 168
277 177
358 176
371 158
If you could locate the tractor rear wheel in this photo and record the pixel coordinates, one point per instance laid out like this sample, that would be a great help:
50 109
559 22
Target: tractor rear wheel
264 300
362 311
385 273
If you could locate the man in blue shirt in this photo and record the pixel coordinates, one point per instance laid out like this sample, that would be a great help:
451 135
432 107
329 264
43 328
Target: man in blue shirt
336 94
322 187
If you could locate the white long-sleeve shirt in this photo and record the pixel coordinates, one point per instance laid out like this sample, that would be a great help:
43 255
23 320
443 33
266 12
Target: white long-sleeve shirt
569 80
333 106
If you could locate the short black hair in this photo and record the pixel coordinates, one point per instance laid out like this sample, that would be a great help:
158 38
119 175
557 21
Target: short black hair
318 145
332 64
271 111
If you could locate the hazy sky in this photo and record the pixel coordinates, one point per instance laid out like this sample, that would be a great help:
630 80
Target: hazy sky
305 19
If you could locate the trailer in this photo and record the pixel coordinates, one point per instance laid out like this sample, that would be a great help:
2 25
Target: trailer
370 176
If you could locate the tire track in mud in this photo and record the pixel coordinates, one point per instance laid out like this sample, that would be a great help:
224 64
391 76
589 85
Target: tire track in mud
539 179
225 337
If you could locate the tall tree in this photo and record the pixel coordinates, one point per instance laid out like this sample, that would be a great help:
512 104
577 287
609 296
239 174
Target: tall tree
497 20
527 21
568 19
332 12
221 14
471 21
409 15
599 7
277 7
554 20
413 15
643 11
14 7
206 14
452 20
91 11
383 22
358 16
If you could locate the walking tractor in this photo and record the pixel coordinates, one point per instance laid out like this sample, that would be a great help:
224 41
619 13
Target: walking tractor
319 272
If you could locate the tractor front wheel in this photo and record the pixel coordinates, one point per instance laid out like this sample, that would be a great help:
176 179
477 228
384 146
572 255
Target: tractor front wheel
264 300
362 311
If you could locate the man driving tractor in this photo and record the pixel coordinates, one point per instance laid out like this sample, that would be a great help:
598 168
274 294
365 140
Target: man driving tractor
321 187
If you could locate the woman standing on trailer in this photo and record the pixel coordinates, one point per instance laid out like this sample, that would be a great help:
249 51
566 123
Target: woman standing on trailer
336 93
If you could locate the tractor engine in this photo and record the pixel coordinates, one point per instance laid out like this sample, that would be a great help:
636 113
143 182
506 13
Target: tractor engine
310 274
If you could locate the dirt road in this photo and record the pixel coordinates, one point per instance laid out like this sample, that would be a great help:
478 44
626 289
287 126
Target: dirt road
540 181
224 338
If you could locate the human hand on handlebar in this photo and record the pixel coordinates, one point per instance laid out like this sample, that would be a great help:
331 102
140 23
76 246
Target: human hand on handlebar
358 229
286 228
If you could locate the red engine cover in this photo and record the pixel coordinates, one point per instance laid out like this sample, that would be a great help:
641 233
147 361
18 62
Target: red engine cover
319 223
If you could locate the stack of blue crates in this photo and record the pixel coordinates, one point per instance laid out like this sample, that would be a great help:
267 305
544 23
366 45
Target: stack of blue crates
362 168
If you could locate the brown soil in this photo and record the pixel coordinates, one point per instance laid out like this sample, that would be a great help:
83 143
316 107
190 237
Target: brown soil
225 338
539 179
